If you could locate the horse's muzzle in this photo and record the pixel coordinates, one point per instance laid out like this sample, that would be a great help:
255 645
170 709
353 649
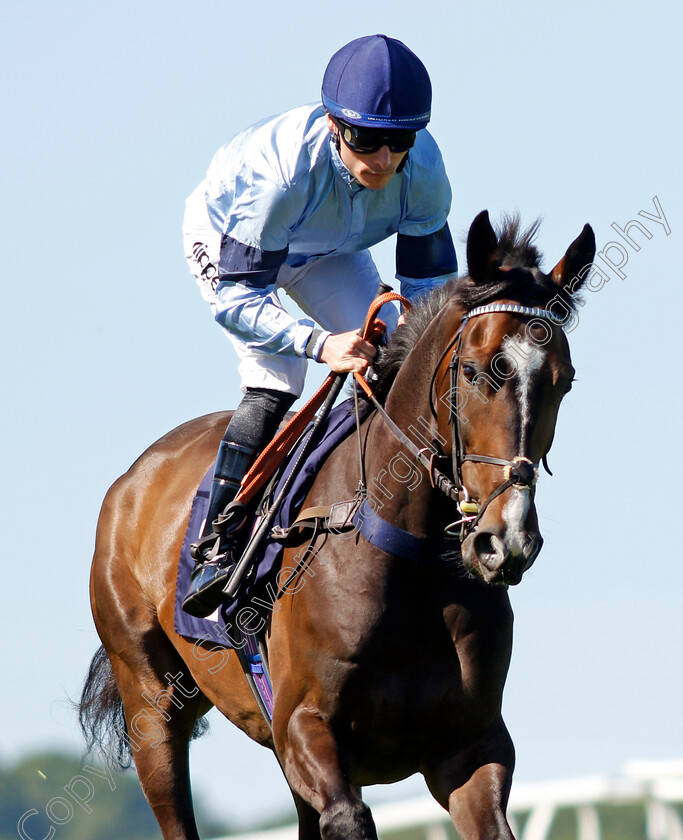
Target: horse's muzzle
492 558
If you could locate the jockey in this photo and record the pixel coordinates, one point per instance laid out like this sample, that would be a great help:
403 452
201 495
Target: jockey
293 203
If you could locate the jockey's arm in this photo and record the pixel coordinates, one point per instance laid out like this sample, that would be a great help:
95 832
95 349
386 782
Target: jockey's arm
247 308
423 262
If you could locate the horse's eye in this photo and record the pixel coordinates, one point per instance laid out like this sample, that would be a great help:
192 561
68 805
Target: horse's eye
468 371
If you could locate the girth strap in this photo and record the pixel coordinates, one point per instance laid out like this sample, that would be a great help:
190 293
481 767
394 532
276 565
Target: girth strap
396 541
359 515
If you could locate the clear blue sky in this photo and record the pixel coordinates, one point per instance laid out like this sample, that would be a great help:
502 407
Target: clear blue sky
110 115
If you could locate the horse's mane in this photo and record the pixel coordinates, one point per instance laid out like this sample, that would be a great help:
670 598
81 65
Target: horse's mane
530 288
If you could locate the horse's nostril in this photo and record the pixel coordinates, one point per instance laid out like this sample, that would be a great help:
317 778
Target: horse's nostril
487 548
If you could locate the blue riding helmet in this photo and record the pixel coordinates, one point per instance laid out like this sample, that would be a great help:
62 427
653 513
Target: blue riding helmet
378 82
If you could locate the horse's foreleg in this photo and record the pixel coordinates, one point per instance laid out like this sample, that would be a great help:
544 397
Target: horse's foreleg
309 819
477 807
310 759
473 786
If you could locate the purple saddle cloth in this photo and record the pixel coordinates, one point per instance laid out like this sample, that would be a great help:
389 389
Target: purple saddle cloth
218 627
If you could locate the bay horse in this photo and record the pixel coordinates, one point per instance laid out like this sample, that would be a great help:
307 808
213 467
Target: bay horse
382 665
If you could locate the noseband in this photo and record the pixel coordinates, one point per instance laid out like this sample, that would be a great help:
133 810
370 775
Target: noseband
520 471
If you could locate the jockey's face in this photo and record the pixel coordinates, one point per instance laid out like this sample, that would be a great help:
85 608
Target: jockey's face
373 170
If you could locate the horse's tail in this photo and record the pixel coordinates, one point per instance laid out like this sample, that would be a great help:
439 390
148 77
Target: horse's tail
100 713
101 716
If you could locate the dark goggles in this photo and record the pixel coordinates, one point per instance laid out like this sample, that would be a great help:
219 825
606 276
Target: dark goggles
366 141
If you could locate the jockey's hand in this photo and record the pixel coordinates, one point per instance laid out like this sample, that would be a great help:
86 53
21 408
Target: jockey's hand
347 352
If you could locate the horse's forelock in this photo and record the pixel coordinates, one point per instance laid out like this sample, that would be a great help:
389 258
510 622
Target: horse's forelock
516 246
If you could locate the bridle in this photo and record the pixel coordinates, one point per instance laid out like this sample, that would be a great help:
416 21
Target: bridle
520 471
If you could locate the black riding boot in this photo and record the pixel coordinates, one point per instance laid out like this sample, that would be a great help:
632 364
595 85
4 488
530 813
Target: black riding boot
232 463
253 425
216 548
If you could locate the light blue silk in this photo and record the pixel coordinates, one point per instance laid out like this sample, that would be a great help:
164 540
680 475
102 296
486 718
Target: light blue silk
280 185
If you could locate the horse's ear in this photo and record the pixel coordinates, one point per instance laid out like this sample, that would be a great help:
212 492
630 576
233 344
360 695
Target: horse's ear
571 271
482 248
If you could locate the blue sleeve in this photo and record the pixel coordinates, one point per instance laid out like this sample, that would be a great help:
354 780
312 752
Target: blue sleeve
247 306
255 316
247 264
423 262
419 257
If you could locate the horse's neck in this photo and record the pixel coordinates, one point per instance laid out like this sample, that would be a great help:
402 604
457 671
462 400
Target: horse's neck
394 480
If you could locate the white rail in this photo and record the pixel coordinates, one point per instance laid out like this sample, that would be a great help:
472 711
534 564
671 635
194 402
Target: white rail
657 786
